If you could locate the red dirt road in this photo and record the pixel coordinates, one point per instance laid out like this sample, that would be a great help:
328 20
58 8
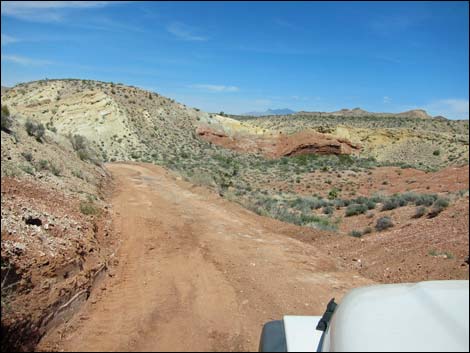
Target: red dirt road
195 272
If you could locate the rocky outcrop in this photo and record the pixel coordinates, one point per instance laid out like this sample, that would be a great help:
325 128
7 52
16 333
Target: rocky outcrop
305 142
309 142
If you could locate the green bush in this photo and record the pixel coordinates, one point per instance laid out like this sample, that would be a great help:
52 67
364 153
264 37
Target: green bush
7 122
27 169
383 223
333 194
35 129
328 210
81 146
43 164
438 207
390 204
425 200
5 110
88 208
356 233
420 212
50 126
355 209
28 156
78 174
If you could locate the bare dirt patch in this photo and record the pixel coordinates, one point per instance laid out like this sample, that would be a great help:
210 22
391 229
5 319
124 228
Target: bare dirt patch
411 251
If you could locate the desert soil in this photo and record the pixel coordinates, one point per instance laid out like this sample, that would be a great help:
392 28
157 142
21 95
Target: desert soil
195 272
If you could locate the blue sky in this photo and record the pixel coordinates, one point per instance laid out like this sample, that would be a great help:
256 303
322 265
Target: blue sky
250 56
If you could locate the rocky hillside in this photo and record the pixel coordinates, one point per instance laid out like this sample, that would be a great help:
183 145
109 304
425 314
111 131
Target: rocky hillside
55 242
345 174
127 123
425 143
122 122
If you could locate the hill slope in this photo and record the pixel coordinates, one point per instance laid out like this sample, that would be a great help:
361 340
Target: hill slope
359 181
55 240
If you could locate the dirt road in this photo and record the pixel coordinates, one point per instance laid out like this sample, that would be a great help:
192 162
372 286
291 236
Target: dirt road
196 272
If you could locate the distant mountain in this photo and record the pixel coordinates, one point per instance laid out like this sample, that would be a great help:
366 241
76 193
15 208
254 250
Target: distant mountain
358 112
284 111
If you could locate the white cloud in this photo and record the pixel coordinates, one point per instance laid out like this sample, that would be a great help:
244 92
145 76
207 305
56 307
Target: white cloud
387 100
45 11
6 39
184 32
22 60
216 88
450 108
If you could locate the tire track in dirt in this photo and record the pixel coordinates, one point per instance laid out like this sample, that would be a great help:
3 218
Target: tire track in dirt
196 272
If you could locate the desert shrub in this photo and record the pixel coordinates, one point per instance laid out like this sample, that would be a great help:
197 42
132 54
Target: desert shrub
5 110
35 129
355 209
390 204
88 208
383 223
83 155
50 126
27 169
328 210
367 230
441 203
78 142
377 198
43 165
7 122
28 156
355 233
420 212
81 146
370 204
410 197
438 207
333 194
54 169
425 200
436 153
77 174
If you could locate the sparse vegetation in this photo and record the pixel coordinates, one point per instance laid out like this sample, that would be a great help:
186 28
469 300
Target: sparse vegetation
383 223
355 209
420 212
88 208
356 233
28 156
35 129
6 121
81 146
27 169
438 206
